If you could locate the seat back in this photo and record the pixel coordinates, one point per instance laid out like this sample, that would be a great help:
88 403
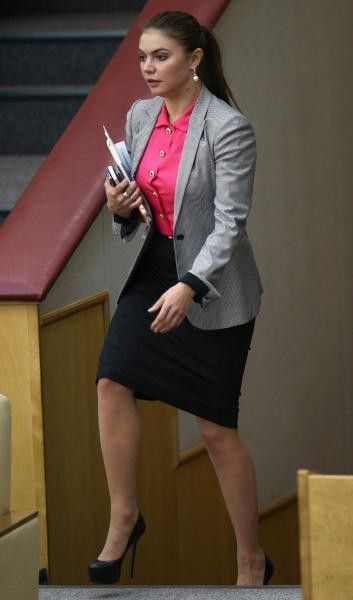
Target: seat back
5 454
326 535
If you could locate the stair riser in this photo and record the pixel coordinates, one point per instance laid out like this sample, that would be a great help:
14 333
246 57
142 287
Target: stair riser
33 125
62 62
69 6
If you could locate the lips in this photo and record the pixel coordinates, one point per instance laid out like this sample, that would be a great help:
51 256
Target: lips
153 81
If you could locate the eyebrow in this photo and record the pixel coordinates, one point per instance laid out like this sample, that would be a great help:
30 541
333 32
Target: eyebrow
154 51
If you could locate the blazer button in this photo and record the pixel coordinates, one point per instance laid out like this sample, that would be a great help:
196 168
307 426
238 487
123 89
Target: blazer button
180 236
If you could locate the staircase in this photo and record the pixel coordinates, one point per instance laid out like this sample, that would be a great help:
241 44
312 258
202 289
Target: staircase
48 65
193 592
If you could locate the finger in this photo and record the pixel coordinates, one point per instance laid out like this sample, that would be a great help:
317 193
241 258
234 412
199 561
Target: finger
156 306
137 202
132 187
128 200
161 321
121 186
171 323
132 197
108 186
158 324
122 202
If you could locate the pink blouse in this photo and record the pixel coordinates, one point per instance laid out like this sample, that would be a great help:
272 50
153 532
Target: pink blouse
158 168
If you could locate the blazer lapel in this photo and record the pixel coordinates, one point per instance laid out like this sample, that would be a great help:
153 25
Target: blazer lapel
195 129
142 137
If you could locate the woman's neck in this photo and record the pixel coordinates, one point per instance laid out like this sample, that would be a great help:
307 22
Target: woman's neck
176 106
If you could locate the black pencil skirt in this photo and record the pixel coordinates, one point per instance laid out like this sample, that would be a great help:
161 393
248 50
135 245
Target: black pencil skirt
199 371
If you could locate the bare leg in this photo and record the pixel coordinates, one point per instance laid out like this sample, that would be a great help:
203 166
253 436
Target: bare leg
236 475
119 429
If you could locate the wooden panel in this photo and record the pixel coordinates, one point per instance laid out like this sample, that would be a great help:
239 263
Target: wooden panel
77 495
304 529
177 494
279 536
20 382
199 496
207 551
327 535
157 554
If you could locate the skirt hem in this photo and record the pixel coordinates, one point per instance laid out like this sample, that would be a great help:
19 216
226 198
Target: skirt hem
225 416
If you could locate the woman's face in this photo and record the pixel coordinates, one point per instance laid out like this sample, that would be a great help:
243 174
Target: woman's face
165 66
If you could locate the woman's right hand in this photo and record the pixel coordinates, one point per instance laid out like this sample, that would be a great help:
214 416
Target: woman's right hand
118 203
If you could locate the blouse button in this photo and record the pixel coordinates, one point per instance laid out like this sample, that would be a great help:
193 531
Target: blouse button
168 130
161 216
162 153
151 173
154 193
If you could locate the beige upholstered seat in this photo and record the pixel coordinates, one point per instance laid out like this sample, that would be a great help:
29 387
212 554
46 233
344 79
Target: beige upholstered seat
19 530
326 535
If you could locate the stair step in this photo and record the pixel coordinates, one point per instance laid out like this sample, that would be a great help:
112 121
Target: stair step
67 22
32 119
56 57
74 6
48 65
15 174
60 35
28 92
178 592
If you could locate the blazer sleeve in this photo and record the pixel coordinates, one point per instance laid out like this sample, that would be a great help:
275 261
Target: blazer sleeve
235 160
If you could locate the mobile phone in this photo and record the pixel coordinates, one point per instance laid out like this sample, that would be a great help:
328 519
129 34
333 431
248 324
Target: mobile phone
112 176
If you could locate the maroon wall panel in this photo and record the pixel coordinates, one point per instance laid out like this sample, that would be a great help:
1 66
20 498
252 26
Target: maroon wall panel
65 196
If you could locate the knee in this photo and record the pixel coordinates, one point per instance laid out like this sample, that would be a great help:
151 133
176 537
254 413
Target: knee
215 436
106 387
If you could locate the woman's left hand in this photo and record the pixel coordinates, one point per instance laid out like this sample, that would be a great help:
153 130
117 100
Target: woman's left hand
172 307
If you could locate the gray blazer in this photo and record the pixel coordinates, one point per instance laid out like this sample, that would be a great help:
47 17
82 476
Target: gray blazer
211 205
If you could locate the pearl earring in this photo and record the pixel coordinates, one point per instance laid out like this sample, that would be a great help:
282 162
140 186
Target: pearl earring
195 76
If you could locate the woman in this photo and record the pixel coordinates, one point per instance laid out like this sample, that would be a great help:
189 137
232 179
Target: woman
184 322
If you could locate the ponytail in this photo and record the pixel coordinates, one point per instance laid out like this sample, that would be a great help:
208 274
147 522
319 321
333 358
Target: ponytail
191 35
211 71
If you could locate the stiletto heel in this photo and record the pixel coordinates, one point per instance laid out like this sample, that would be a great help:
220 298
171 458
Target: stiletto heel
269 569
133 561
108 571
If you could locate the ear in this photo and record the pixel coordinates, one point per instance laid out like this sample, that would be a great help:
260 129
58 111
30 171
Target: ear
196 57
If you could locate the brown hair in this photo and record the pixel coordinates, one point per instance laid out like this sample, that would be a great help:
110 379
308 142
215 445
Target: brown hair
191 35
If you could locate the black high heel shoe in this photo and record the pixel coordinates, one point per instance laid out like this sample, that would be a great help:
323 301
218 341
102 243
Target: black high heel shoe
108 571
269 569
